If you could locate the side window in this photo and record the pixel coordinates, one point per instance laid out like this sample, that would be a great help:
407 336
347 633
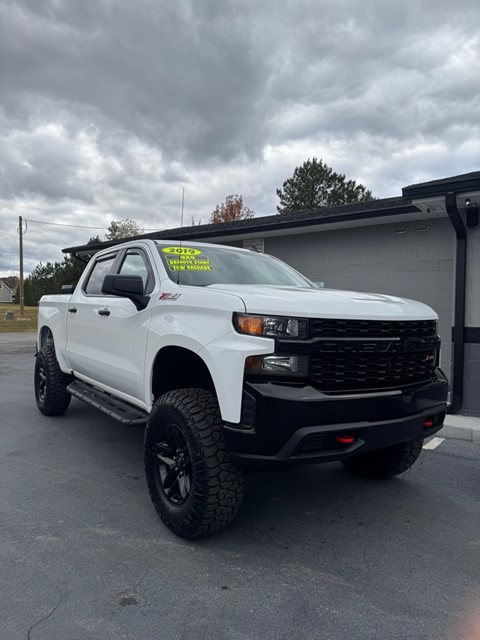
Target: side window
101 268
136 264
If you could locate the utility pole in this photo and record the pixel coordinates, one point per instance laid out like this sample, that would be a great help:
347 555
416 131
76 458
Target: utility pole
20 245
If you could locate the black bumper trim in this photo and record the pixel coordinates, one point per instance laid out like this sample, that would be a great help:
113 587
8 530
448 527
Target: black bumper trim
369 436
295 423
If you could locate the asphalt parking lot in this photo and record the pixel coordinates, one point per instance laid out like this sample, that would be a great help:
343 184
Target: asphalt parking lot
314 552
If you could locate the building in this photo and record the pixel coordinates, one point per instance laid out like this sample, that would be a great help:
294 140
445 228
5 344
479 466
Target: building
424 244
6 294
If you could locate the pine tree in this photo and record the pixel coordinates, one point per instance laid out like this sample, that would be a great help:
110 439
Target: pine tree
314 184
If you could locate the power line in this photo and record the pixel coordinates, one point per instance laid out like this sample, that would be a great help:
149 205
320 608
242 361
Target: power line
76 226
58 224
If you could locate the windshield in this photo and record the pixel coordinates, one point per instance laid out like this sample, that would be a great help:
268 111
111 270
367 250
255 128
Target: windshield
204 266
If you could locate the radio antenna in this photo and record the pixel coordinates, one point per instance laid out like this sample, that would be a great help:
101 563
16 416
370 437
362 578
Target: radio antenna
183 203
181 234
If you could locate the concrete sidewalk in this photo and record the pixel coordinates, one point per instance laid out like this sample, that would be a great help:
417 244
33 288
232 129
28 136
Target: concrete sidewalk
458 427
461 428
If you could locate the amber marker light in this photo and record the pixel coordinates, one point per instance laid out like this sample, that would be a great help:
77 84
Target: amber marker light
253 364
253 325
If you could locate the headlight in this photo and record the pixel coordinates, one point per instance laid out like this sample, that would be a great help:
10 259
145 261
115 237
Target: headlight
270 326
278 364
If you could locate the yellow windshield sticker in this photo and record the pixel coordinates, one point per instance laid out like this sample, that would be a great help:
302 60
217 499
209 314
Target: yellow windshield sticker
186 259
182 251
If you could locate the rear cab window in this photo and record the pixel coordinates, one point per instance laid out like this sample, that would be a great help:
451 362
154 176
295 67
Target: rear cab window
102 267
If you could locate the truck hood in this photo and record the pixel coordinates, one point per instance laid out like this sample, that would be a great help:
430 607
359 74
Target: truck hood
325 303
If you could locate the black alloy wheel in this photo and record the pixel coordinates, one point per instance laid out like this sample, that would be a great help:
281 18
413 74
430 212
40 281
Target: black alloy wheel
175 471
193 483
42 381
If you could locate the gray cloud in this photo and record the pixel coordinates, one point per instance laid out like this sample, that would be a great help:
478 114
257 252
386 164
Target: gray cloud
181 78
108 109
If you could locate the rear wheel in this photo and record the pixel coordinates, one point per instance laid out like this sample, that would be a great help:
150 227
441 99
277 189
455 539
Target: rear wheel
193 484
387 462
50 383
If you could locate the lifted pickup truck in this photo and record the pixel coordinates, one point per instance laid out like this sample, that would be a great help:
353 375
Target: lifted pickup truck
234 360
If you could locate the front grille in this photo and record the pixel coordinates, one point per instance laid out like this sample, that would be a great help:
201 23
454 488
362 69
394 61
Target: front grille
344 372
326 327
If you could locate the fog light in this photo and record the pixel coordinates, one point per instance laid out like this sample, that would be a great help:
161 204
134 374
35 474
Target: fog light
278 364
282 363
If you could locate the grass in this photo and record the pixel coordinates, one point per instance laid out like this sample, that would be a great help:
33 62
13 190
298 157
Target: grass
27 323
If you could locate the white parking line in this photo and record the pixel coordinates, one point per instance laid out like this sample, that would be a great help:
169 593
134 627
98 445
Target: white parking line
433 443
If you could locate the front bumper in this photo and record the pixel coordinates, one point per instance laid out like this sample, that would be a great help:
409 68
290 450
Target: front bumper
295 424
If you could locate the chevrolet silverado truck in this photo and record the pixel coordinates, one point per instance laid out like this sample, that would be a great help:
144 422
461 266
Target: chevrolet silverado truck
232 360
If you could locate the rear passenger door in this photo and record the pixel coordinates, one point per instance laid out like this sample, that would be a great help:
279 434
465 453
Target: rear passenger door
83 319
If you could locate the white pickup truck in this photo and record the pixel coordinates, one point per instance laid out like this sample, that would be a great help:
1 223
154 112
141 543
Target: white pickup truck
234 360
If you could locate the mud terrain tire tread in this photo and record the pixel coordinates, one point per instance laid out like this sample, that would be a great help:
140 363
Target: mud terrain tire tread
217 483
55 398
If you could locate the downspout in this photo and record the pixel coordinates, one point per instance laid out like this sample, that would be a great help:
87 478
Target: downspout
459 313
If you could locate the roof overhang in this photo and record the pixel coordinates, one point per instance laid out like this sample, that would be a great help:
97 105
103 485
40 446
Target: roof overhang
329 225
269 226
462 184
417 201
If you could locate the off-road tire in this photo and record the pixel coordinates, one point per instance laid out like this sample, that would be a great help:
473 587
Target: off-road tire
387 462
50 383
186 425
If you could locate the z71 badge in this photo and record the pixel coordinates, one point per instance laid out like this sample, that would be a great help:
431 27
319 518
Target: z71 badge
170 296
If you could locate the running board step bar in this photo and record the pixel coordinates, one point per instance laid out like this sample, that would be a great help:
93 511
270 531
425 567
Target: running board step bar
125 413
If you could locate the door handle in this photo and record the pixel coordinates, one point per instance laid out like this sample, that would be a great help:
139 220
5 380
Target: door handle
72 309
103 311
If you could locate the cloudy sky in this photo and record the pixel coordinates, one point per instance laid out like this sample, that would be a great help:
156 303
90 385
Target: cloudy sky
109 108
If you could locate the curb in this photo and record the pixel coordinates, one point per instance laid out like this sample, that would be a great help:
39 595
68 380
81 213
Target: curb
461 428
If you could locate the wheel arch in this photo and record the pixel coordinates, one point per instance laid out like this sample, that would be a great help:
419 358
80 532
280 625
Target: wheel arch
45 336
177 367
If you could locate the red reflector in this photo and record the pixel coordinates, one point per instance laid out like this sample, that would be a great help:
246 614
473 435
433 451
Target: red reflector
427 423
344 439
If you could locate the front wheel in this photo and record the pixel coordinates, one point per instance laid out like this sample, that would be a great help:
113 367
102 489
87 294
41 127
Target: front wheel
193 484
50 383
387 462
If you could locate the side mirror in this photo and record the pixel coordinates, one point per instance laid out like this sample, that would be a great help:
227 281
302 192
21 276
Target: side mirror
130 287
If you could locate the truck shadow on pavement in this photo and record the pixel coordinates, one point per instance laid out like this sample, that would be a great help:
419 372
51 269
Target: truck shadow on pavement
318 504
